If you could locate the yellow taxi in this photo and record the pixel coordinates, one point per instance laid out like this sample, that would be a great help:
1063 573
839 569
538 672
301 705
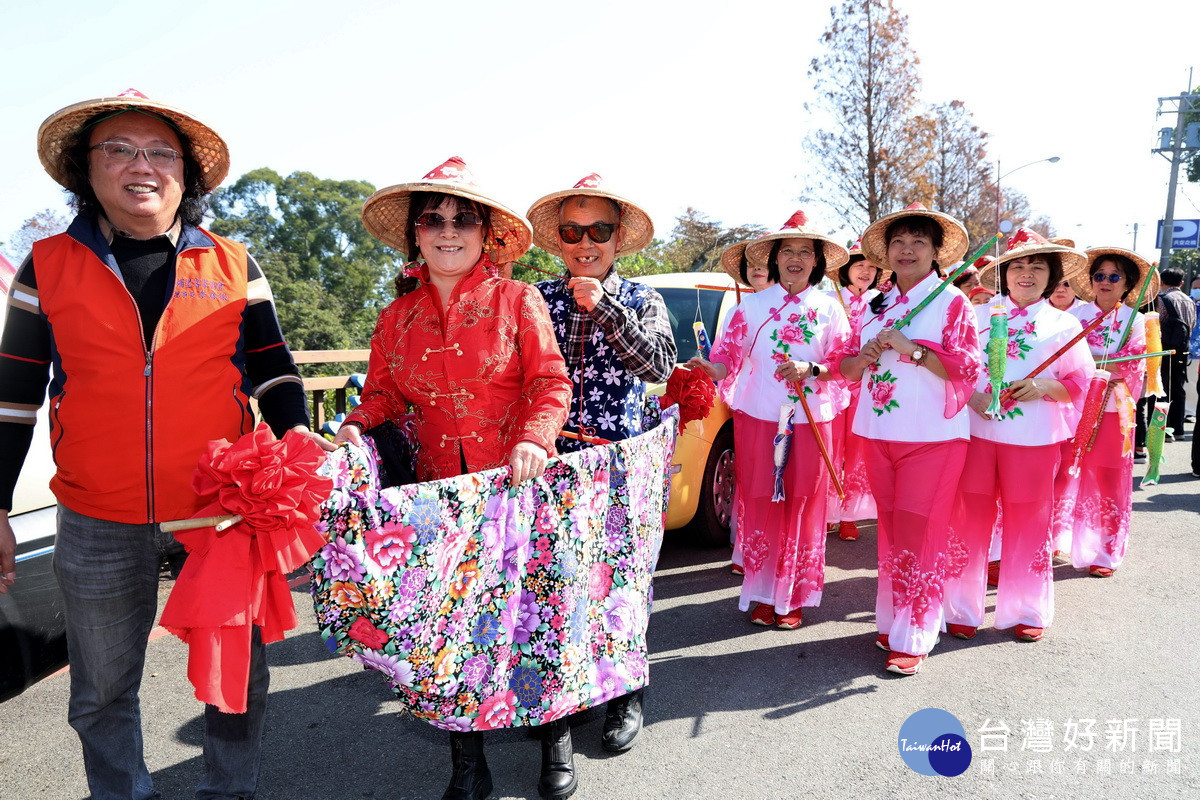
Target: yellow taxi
702 472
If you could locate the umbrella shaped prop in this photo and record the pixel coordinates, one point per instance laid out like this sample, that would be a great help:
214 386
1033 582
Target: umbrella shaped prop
236 578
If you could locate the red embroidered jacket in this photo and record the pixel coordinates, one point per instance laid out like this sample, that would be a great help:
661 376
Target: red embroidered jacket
487 376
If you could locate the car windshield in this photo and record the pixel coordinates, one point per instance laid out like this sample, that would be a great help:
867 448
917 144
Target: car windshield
686 306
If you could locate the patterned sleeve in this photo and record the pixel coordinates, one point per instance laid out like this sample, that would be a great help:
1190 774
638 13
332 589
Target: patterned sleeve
547 387
1133 373
728 350
842 343
642 339
960 353
382 398
1074 370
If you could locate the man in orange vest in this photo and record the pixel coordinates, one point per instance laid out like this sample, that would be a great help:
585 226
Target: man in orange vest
153 335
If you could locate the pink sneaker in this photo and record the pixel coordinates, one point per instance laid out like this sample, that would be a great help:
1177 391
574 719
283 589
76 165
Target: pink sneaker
962 631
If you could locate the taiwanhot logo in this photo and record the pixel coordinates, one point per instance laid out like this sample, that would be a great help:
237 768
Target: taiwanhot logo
934 742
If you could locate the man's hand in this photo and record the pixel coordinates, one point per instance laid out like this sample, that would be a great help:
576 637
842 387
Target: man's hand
321 441
587 292
8 553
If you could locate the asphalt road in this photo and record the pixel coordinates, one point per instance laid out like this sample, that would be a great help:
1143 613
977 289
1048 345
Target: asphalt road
736 711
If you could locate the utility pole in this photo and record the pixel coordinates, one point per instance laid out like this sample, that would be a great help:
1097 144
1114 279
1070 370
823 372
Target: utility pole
1178 145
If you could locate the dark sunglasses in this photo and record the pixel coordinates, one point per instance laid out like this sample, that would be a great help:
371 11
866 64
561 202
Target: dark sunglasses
461 221
598 232
1101 278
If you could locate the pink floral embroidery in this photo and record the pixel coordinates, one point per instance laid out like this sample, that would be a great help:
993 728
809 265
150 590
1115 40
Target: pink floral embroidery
882 387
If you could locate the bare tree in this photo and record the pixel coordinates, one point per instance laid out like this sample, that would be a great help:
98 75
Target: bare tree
871 159
960 175
46 222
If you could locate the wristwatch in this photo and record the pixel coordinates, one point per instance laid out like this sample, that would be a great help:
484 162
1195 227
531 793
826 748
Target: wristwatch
815 369
918 355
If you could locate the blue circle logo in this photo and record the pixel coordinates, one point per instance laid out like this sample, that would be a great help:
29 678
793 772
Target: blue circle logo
934 742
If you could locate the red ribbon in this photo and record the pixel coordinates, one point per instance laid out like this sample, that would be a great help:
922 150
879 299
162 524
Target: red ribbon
237 579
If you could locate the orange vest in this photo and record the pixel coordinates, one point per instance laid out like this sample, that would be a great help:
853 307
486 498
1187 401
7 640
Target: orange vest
127 425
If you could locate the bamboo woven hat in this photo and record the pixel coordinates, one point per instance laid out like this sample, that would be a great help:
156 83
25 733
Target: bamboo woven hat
635 222
731 260
797 227
60 128
1024 243
1063 240
386 213
954 236
885 274
1082 283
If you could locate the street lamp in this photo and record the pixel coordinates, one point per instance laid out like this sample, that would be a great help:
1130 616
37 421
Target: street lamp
1051 159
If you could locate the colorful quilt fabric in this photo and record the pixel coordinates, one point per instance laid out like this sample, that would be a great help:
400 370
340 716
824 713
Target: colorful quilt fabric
487 607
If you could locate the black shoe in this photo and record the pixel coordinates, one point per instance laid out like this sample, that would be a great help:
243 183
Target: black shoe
622 722
558 780
470 778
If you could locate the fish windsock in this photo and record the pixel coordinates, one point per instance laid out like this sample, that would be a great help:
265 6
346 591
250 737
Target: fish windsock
1156 437
1093 407
783 448
1154 345
997 356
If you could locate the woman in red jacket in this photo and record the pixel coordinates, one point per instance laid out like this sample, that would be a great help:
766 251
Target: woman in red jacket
475 356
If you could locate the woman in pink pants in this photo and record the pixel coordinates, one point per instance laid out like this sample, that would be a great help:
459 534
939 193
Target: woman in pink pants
1014 453
786 336
913 412
857 280
1098 504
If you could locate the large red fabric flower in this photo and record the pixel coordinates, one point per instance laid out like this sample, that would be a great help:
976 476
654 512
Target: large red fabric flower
237 579
693 391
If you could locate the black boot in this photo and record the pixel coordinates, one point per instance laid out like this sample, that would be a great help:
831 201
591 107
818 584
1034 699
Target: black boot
558 762
622 722
470 779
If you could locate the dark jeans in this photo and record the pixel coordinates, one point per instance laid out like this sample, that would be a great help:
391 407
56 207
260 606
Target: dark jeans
108 572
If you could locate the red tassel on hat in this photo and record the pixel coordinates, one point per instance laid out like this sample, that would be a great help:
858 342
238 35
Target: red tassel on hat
133 93
591 181
453 168
797 220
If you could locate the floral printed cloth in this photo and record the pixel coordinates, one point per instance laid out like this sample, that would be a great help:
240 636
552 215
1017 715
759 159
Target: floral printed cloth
488 607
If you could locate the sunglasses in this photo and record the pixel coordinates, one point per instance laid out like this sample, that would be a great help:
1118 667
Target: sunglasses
1100 278
461 221
598 232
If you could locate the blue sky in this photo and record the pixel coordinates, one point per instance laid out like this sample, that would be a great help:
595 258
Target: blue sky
675 104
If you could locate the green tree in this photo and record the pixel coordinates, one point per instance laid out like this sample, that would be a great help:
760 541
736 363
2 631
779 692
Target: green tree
871 156
330 277
697 242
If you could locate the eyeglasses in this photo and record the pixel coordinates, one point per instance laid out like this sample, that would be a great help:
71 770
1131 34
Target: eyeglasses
805 253
123 153
1099 277
460 222
598 232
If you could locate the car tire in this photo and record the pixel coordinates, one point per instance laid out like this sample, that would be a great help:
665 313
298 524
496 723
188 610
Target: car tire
710 526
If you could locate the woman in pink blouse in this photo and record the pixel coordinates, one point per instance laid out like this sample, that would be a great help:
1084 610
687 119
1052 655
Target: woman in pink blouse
786 336
1014 455
913 412
1096 506
857 279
